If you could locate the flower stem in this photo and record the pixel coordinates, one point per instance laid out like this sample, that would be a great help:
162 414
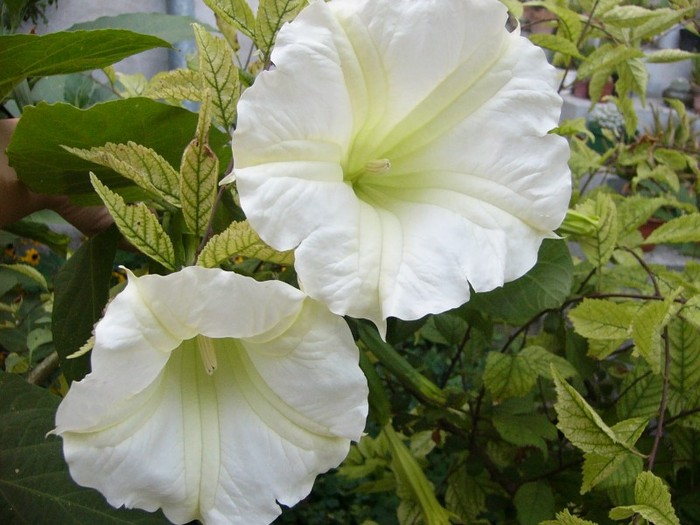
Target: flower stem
418 384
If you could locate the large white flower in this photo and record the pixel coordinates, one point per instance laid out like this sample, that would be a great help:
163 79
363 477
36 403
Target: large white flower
212 396
401 147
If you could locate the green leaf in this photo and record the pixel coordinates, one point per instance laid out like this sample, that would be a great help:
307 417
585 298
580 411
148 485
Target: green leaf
670 55
603 319
37 338
629 112
556 43
534 503
81 291
647 326
541 360
619 470
599 248
525 430
220 74
35 487
171 28
546 286
23 56
685 228
199 173
641 394
570 24
664 18
271 15
507 375
37 154
684 371
627 16
240 239
235 12
633 77
652 501
28 271
176 85
605 59
515 7
79 89
566 518
447 328
413 480
137 163
661 174
691 311
672 158
582 425
635 210
465 495
38 230
139 225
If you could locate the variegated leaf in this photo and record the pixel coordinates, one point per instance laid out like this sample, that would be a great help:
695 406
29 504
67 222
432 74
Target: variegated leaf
176 85
199 174
138 224
219 74
139 164
240 239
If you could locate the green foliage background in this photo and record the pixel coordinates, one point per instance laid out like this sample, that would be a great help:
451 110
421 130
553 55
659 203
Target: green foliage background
570 396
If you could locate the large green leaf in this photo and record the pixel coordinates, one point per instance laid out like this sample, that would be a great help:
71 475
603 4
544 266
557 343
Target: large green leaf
23 56
171 28
81 292
545 286
36 152
35 487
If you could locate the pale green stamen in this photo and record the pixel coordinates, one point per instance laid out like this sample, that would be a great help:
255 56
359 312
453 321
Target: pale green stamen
378 166
208 353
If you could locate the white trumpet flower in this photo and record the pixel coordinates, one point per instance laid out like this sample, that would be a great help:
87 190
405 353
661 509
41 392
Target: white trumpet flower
402 148
213 396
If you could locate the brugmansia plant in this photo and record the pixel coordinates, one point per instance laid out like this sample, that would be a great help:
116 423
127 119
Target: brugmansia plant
363 251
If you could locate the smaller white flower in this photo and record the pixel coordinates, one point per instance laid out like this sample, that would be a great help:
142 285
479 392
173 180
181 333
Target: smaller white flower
213 396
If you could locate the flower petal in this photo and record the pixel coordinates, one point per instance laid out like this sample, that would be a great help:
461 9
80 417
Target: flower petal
281 407
407 166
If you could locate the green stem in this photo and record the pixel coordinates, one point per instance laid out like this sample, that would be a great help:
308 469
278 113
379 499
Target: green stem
414 381
379 404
